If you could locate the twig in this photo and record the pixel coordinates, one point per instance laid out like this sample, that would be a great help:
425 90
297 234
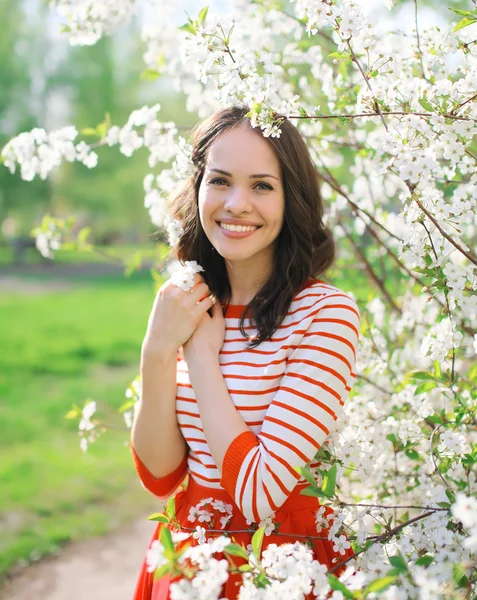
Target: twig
358 64
378 387
418 40
392 507
377 114
470 256
463 104
380 538
331 181
434 460
377 280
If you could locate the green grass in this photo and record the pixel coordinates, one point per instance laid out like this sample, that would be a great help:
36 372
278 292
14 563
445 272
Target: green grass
58 349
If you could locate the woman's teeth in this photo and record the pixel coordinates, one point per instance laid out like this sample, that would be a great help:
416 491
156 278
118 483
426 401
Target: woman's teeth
230 227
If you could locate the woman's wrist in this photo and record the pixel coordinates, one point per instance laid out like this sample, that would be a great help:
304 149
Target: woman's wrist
157 356
201 363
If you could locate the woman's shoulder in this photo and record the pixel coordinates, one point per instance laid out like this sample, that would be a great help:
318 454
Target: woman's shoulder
318 293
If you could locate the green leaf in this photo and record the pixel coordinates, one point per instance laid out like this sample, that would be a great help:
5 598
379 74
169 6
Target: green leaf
171 508
465 22
165 538
421 375
379 585
189 27
425 104
336 584
338 55
462 13
103 127
89 131
245 568
424 561
473 373
450 494
257 541
459 574
329 482
307 474
437 369
127 405
425 387
412 454
203 15
72 414
398 562
161 517
83 234
314 492
161 571
236 550
150 74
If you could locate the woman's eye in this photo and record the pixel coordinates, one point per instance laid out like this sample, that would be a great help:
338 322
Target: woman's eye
267 186
220 181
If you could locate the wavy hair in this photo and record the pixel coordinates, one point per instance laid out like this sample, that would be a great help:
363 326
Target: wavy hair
304 248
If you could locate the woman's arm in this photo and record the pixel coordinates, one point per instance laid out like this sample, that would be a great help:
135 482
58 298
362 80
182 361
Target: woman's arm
258 471
159 449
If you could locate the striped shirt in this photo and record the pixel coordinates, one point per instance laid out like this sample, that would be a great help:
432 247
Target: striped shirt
289 390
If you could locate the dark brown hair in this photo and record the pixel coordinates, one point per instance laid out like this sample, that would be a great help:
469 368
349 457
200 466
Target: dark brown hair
304 248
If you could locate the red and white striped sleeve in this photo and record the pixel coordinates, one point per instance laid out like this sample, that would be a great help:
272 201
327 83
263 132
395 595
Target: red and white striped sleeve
258 471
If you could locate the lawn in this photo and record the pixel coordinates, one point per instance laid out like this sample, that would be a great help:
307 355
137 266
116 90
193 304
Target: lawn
60 348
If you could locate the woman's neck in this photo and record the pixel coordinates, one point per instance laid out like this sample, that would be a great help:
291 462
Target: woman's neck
246 281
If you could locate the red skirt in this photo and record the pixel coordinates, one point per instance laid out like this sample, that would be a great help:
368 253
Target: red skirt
296 516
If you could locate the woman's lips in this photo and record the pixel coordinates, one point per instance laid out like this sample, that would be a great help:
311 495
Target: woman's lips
237 234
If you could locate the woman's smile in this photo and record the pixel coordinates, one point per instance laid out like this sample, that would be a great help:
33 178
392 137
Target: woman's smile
237 230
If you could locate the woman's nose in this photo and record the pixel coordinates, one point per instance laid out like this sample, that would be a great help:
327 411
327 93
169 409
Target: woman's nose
238 201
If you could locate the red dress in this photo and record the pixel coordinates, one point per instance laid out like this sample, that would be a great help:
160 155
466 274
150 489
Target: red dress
296 516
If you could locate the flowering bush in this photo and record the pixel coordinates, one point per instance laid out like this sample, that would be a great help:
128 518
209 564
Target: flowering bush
397 110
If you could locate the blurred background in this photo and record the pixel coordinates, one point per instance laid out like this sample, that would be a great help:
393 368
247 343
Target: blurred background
72 327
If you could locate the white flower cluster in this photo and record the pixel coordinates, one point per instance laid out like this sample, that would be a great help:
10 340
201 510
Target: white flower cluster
183 276
209 576
465 511
174 230
268 525
441 338
293 574
87 20
48 239
38 152
86 425
207 511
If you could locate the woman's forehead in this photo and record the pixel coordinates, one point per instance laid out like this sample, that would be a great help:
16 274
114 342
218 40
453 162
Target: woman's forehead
242 150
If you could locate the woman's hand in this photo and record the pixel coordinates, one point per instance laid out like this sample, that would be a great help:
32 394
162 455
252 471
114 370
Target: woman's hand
174 317
207 339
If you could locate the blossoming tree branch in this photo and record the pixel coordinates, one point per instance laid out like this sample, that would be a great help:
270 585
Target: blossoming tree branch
398 111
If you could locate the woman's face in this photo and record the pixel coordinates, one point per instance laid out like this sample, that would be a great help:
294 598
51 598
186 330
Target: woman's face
241 197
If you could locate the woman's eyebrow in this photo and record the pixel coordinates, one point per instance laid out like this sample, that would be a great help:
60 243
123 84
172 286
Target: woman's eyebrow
256 176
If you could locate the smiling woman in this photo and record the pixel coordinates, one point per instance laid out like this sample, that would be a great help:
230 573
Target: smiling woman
245 375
